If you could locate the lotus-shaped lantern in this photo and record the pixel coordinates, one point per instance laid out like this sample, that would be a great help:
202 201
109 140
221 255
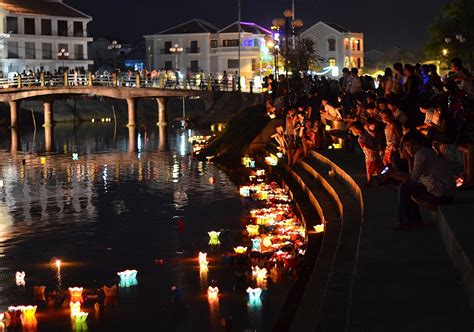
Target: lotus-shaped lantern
28 312
203 258
257 244
253 230
20 278
213 293
240 250
214 237
254 293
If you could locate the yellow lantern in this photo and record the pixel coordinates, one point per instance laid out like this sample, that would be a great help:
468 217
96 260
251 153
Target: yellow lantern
319 228
75 292
214 237
240 250
267 242
75 308
253 230
28 312
213 293
43 160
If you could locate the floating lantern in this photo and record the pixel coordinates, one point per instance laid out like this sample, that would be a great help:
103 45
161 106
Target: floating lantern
240 250
319 228
254 293
280 155
267 242
327 128
260 172
58 263
213 293
75 156
248 162
203 258
75 308
128 278
259 273
28 312
214 237
244 191
337 146
256 244
253 230
75 291
39 290
80 317
271 160
43 160
20 278
110 291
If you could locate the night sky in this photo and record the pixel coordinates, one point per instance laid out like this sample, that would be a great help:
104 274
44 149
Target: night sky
385 23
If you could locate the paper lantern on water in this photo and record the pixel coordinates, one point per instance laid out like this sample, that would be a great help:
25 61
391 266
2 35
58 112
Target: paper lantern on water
319 228
254 293
259 273
75 307
110 291
75 292
240 250
127 274
267 242
203 258
253 230
256 244
28 312
20 278
214 237
43 160
39 290
212 293
244 191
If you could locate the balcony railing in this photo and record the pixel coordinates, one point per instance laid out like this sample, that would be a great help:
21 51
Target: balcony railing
193 50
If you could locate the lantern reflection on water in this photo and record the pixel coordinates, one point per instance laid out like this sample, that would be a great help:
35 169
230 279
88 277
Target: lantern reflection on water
214 237
80 317
110 291
39 290
254 295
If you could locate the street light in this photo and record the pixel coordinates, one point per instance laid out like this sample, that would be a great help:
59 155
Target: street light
63 54
114 47
176 49
274 48
291 27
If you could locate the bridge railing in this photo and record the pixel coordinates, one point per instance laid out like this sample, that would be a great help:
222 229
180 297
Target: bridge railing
129 81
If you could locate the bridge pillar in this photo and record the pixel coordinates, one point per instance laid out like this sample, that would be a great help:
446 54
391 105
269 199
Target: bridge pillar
89 79
48 113
13 113
162 112
163 138
48 138
132 139
42 79
66 78
15 135
132 111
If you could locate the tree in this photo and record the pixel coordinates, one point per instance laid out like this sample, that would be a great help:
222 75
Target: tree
452 33
303 57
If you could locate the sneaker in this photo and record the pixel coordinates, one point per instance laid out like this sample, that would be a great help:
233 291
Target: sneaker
425 204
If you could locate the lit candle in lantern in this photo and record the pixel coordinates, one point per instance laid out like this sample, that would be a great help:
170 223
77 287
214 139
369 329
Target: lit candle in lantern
213 293
253 230
256 244
319 228
240 250
20 278
214 237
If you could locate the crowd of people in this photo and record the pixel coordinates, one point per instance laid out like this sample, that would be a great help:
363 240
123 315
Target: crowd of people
407 122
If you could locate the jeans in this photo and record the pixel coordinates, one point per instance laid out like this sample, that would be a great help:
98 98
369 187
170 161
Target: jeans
408 210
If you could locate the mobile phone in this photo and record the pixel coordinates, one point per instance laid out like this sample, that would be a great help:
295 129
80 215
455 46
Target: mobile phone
385 170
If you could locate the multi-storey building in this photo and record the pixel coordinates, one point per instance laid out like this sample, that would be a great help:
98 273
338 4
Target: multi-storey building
208 48
33 33
338 46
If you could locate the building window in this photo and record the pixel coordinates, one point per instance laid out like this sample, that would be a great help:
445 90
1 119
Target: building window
230 43
12 50
47 49
214 43
194 66
62 28
46 27
346 44
359 63
79 52
353 42
166 50
332 62
331 45
168 65
194 47
78 29
233 63
30 50
29 26
358 44
12 24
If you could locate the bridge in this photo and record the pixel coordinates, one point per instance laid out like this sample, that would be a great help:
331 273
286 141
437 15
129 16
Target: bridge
126 87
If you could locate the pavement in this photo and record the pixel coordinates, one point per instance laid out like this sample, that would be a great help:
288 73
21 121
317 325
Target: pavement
404 280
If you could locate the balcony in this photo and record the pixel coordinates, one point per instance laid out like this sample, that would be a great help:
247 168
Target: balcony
243 49
193 50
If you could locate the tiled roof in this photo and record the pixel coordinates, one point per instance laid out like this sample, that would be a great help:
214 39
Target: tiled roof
246 27
40 7
337 27
194 26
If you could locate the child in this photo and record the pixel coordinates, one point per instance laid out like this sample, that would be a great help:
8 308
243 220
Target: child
368 143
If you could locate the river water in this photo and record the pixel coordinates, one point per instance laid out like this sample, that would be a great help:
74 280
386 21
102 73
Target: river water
115 208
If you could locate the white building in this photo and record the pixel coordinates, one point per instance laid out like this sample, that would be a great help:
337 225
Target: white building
207 48
338 46
33 32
